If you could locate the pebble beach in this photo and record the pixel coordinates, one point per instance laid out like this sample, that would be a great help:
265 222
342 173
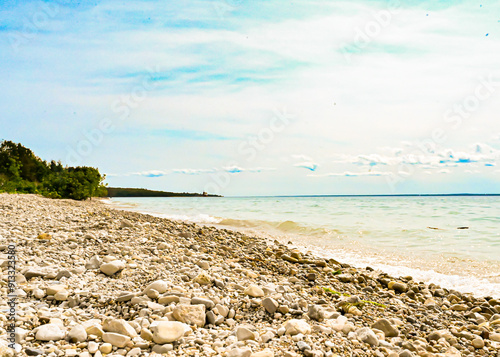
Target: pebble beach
91 280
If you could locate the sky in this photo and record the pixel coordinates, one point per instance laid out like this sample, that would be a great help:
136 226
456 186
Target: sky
259 97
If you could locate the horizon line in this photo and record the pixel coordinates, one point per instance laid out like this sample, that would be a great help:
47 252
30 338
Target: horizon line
382 195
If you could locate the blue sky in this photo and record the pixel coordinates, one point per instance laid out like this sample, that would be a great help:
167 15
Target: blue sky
259 98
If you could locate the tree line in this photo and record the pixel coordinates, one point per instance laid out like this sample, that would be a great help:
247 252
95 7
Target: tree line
21 171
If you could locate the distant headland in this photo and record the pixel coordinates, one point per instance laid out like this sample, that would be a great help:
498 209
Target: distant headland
142 192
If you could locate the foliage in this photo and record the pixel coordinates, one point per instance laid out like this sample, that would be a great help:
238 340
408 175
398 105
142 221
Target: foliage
141 192
23 172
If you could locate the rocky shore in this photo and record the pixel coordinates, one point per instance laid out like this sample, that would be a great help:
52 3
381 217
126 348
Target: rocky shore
94 281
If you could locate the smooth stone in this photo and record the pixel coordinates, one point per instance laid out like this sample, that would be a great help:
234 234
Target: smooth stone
302 346
115 339
166 300
459 307
168 331
296 326
53 289
210 318
34 273
495 337
268 336
398 286
270 305
244 334
119 326
366 335
146 334
159 285
254 291
263 353
134 352
202 301
61 295
190 314
94 263
162 349
77 334
50 332
478 343
125 223
29 351
63 274
240 352
38 293
112 267
223 310
106 348
94 330
92 347
386 327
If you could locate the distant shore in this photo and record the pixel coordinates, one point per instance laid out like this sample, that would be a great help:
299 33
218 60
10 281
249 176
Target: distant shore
92 280
142 192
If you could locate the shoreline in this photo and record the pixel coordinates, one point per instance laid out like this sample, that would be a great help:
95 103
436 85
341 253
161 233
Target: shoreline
84 279
362 256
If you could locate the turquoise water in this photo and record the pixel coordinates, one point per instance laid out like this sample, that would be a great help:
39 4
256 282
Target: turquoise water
452 241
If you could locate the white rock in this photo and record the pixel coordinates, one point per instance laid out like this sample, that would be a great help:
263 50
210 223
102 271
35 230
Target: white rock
38 293
93 263
119 326
243 334
190 314
61 295
254 291
50 332
93 347
263 353
240 352
365 334
270 305
115 339
53 289
112 267
77 334
158 285
168 331
106 348
296 326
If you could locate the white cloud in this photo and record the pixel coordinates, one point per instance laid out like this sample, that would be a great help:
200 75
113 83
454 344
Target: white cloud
311 166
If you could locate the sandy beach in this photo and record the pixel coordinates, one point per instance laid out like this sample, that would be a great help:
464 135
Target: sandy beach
93 281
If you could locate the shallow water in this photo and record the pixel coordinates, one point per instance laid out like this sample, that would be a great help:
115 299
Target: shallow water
452 241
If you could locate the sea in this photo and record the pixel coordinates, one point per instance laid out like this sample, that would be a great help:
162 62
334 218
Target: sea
451 241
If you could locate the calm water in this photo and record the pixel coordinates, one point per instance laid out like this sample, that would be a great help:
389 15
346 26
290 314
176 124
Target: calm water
418 236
